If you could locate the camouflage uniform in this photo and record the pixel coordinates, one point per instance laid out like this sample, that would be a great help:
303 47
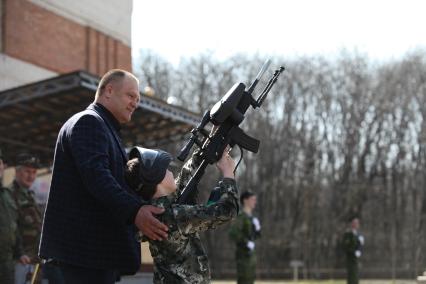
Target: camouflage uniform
242 231
29 219
10 248
352 246
29 228
181 258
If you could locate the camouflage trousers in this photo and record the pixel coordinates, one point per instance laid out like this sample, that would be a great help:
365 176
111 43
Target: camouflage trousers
246 269
7 272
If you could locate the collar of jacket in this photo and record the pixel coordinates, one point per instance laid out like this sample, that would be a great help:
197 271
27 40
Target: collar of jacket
106 114
112 124
15 188
15 185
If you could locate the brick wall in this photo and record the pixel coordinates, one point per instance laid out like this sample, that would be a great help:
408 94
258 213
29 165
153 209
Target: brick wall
43 38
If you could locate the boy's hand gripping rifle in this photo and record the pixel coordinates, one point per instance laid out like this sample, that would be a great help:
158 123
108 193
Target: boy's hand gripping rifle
226 115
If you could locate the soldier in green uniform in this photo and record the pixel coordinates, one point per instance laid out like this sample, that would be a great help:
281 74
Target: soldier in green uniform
181 257
10 246
353 242
244 231
29 215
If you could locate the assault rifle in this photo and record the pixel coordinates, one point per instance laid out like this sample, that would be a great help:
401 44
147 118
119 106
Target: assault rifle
226 115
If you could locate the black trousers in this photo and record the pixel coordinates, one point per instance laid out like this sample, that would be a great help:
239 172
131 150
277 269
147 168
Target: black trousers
52 273
83 275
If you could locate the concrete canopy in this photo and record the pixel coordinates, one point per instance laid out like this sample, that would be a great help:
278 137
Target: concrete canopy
31 116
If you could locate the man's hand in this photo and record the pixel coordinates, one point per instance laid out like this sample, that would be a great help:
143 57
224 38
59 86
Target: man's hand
149 225
25 259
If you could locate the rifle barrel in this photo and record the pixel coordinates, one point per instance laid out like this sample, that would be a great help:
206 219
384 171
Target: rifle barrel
259 75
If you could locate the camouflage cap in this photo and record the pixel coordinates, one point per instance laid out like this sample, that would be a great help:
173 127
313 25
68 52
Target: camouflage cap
29 160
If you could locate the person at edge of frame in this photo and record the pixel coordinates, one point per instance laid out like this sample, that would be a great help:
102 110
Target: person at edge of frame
10 242
29 215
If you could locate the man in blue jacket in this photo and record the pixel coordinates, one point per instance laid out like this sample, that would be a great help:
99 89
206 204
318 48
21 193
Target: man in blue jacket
92 216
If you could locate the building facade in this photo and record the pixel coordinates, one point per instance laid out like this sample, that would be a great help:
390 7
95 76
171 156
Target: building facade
40 39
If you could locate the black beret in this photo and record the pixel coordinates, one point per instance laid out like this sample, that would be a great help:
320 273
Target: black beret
28 160
153 164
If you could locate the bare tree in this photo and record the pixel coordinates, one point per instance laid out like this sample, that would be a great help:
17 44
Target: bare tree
339 137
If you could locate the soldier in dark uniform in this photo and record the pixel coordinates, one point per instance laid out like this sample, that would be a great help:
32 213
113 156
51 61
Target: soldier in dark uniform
29 215
181 257
244 231
353 242
10 246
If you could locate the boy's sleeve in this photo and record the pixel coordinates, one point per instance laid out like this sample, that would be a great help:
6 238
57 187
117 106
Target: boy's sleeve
188 170
198 218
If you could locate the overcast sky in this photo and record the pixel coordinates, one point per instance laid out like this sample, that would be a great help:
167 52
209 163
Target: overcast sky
382 29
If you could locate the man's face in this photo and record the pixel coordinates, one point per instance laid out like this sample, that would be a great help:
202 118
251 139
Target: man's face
355 224
25 176
2 166
251 202
124 98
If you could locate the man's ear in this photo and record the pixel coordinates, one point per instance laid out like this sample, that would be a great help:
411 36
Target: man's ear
108 91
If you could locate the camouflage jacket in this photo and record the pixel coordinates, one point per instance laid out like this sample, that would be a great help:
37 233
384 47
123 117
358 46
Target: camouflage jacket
243 231
10 246
181 258
29 219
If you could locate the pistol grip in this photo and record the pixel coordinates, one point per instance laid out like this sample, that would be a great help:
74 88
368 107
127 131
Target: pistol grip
239 137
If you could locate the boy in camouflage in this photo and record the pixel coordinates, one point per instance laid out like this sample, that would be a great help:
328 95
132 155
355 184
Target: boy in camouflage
181 257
